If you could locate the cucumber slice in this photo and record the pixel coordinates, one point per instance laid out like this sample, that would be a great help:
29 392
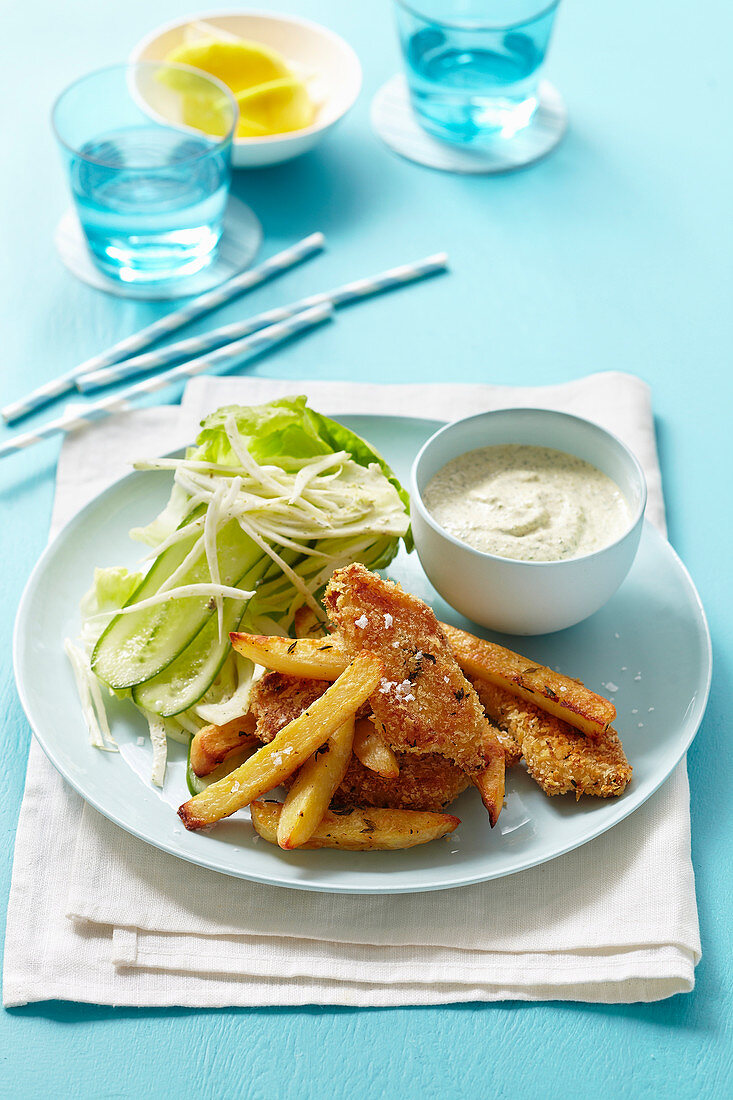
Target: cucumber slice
194 784
191 674
138 645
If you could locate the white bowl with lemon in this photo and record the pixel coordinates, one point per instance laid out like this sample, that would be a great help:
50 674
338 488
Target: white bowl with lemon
293 80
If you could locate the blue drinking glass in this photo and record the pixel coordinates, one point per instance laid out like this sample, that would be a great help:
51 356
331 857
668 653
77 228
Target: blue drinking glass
473 66
149 186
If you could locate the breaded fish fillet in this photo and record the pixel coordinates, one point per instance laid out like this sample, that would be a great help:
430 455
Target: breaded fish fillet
424 700
558 758
424 783
277 700
427 782
508 740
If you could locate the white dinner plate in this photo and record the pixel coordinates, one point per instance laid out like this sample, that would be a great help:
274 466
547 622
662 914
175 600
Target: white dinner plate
648 648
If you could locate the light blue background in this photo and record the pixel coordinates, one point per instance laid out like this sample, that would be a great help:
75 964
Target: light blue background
612 254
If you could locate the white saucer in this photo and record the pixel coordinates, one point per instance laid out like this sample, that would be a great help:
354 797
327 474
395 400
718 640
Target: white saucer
395 122
239 245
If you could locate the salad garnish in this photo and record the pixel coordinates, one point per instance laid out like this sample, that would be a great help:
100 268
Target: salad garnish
267 504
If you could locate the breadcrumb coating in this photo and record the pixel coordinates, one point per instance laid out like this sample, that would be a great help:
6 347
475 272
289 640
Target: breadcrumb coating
427 782
424 700
558 758
508 741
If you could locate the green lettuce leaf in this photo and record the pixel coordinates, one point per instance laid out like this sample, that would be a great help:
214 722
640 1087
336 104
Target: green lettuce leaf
288 428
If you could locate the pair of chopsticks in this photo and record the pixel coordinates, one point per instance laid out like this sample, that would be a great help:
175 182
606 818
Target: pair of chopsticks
222 348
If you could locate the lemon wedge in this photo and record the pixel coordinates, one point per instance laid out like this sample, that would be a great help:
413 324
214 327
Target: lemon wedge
271 99
239 64
274 108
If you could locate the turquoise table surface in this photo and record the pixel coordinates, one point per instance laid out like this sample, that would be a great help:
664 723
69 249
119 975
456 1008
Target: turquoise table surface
614 253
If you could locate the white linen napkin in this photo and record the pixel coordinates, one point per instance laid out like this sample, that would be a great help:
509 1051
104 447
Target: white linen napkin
111 920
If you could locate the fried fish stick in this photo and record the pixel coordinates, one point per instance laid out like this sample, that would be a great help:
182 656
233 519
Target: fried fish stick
558 758
292 746
428 782
509 741
277 699
423 700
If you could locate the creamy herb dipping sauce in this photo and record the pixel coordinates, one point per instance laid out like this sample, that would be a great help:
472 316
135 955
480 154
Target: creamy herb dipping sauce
527 503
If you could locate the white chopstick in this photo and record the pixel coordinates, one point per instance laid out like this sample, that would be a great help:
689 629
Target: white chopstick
206 302
196 345
262 341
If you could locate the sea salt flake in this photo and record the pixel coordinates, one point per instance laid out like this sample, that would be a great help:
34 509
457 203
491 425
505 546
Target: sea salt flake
361 622
638 676
635 710
640 725
617 635
651 709
388 620
611 686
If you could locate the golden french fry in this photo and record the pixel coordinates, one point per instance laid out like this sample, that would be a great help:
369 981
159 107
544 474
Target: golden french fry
361 830
307 624
213 744
311 658
373 751
561 696
275 761
550 691
310 795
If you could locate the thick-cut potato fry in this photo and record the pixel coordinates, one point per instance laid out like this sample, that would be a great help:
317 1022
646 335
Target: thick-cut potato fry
361 830
311 658
310 795
307 624
275 761
559 695
373 751
490 784
213 744
550 691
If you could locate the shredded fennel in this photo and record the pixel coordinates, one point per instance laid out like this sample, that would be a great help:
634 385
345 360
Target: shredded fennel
180 593
159 741
90 697
310 512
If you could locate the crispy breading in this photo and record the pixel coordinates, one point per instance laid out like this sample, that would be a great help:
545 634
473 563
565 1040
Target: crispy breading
278 699
558 758
508 740
425 782
424 700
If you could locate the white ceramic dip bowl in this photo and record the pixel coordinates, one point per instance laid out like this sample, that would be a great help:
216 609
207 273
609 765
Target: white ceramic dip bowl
526 597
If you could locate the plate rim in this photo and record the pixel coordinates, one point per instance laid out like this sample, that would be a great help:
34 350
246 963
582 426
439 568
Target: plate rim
691 723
